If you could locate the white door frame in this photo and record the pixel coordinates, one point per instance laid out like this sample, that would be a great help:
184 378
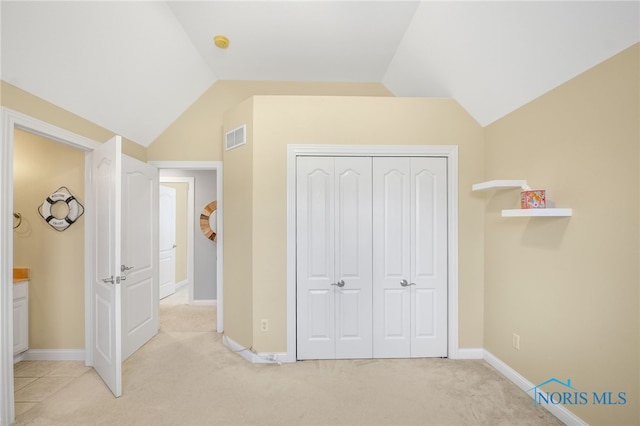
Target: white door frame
217 166
12 120
190 226
450 152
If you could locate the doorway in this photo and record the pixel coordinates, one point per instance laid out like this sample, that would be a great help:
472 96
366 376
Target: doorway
13 120
199 175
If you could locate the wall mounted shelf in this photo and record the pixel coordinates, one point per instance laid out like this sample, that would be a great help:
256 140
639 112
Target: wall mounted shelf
547 212
520 183
499 184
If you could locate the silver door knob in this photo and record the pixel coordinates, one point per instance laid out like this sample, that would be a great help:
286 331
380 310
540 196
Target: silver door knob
108 280
125 268
405 283
339 283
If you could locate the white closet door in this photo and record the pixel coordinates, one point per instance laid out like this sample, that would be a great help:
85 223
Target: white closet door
353 257
429 254
334 247
391 251
410 252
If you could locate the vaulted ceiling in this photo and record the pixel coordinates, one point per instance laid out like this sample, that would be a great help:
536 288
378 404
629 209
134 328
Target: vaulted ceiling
134 67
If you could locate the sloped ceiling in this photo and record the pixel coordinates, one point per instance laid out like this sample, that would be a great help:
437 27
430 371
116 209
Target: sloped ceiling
134 67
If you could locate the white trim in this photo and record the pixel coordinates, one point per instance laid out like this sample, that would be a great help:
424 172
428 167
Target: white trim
253 357
218 167
190 181
244 352
187 165
12 120
204 302
559 411
54 355
470 353
181 284
448 151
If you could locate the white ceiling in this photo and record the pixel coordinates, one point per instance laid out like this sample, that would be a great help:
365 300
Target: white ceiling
134 67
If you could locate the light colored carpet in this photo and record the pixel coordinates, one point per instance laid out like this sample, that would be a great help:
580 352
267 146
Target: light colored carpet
191 378
187 318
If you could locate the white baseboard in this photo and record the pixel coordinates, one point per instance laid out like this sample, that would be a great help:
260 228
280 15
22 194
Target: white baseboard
269 358
209 302
53 355
253 357
560 411
181 284
468 353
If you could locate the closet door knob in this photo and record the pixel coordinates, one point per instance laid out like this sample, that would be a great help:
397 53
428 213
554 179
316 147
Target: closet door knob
405 283
339 283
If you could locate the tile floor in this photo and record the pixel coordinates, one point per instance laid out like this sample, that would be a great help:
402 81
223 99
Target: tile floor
36 380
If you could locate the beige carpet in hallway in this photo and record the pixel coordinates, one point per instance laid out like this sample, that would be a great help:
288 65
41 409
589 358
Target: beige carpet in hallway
190 378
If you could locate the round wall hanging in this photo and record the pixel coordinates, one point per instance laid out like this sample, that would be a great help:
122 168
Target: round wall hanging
208 220
60 222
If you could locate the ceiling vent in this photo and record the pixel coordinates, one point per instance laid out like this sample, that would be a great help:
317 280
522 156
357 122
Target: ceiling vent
236 137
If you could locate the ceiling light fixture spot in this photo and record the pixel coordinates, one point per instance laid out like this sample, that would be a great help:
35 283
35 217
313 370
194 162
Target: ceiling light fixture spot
221 41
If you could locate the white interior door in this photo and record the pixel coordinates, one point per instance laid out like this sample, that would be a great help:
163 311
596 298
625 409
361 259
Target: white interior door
139 254
106 284
167 243
429 256
410 248
353 258
334 258
391 249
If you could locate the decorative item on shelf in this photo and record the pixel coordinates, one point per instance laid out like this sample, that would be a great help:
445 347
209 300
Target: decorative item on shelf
58 221
18 217
533 199
208 220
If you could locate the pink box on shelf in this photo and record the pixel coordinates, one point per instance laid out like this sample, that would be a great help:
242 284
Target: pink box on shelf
534 199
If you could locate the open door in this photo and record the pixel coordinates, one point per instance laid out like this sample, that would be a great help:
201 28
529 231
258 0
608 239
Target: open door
106 282
139 255
167 218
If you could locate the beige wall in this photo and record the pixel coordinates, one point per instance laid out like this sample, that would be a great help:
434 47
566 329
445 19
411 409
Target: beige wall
569 286
24 102
238 213
197 134
282 120
55 259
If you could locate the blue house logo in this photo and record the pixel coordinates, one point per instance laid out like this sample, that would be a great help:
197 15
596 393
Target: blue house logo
542 397
571 396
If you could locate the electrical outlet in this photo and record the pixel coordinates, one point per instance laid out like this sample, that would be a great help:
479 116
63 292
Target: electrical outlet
264 325
516 341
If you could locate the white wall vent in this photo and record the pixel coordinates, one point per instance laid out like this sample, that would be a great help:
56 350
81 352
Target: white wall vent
236 137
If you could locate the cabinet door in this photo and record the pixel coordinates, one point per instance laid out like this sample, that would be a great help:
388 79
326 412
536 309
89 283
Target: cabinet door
410 252
333 247
20 318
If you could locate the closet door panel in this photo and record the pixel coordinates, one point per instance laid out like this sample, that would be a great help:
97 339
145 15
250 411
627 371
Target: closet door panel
353 257
315 258
428 257
391 253
334 258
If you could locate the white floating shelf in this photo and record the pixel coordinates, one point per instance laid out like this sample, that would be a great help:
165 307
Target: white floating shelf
551 212
498 184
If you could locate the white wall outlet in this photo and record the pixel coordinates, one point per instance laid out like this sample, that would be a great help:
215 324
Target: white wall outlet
264 325
516 341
